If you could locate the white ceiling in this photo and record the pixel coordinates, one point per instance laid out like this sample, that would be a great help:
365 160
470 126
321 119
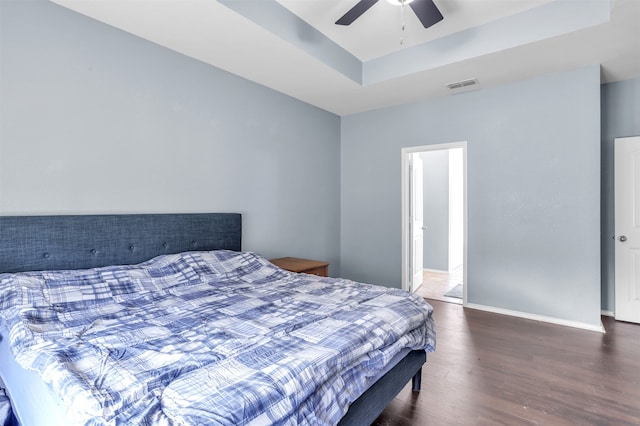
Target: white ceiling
377 32
541 40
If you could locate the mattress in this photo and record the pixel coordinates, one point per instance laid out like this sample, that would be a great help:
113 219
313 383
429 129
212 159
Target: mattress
204 337
32 401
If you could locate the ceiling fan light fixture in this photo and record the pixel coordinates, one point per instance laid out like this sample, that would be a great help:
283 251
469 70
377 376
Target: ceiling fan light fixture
399 2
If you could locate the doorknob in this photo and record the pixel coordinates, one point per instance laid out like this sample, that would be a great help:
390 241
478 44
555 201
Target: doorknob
622 238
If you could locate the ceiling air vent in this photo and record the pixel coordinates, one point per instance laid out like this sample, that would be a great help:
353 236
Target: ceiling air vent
462 83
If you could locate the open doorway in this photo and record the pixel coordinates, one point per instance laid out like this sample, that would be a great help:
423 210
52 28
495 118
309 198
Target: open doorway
434 221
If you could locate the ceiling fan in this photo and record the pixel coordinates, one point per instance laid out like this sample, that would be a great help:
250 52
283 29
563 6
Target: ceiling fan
426 11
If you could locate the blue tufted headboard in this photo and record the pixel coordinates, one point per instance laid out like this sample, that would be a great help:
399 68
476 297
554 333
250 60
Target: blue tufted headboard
34 243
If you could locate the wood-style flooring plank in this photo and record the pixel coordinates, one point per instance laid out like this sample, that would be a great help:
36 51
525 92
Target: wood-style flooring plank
491 369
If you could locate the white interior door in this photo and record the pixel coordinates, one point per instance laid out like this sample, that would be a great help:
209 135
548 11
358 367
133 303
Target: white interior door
627 229
416 221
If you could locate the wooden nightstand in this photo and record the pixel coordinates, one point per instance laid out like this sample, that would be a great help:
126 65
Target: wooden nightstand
306 266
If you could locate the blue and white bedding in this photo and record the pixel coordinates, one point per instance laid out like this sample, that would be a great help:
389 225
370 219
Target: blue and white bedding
6 414
210 338
31 400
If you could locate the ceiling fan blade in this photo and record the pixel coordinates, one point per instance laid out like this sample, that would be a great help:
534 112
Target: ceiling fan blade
427 12
354 13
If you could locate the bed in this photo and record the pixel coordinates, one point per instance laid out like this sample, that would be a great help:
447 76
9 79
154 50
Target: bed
90 272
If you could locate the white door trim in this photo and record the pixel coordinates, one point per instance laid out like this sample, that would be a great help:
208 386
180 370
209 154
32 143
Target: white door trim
455 208
405 194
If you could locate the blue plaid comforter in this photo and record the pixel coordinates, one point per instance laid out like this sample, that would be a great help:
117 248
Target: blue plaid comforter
207 338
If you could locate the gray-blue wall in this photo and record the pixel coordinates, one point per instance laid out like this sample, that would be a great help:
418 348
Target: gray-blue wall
436 209
95 120
620 118
533 191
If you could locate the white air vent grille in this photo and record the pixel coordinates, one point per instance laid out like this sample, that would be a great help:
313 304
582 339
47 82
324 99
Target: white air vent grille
462 83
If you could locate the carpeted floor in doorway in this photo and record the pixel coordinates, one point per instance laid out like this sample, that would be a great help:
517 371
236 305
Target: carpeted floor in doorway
455 292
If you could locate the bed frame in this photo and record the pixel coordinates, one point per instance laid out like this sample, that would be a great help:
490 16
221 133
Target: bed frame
33 243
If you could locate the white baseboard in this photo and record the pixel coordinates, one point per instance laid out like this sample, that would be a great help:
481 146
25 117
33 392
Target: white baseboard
607 313
435 270
535 317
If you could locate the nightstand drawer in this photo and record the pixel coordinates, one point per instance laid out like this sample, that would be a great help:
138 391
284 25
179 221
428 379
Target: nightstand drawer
306 266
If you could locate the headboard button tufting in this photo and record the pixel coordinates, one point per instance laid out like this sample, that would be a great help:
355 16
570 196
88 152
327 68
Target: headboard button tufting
165 245
194 243
94 251
46 255
132 247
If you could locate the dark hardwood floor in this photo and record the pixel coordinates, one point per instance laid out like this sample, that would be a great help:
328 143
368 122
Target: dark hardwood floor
491 369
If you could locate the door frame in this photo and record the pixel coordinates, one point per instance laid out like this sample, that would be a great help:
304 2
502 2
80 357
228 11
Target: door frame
405 209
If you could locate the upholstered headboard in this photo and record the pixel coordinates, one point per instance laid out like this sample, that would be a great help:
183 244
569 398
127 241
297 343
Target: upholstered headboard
34 243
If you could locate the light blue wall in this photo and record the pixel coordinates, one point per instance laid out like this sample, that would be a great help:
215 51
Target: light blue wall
436 209
620 118
533 191
95 120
